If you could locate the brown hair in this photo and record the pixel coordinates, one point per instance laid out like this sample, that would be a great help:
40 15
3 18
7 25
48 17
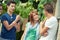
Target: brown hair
48 7
31 15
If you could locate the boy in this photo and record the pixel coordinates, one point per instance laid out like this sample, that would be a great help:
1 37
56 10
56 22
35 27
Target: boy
10 23
49 25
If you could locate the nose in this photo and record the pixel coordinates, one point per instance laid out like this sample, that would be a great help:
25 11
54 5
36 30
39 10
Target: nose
13 7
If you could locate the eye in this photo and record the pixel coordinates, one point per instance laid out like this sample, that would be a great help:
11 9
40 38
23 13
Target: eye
12 6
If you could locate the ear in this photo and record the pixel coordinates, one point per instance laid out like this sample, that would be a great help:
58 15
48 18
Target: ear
7 6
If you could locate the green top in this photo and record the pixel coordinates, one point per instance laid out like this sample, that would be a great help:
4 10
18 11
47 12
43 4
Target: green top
32 33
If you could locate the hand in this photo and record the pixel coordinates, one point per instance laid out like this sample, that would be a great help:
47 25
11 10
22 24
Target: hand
45 34
43 22
17 18
14 23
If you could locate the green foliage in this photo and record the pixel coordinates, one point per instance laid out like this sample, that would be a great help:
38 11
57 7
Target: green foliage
23 9
17 1
41 7
4 7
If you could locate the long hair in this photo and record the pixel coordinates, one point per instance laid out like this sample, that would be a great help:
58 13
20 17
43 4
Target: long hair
31 15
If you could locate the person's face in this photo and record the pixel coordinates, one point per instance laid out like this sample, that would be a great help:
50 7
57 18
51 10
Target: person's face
0 9
11 7
35 17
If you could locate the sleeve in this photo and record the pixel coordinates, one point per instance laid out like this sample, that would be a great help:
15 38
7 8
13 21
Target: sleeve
3 18
50 23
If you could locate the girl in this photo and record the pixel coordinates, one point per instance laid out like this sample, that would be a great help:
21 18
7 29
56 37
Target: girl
32 28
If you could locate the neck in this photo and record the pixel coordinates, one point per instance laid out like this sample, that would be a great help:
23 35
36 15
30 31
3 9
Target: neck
10 13
34 23
49 16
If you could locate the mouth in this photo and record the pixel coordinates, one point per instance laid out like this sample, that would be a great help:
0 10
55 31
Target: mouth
12 9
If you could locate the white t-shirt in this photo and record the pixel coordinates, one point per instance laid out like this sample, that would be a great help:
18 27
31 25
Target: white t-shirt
52 24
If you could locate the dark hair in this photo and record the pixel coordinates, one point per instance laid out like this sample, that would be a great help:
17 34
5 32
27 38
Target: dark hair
10 2
48 7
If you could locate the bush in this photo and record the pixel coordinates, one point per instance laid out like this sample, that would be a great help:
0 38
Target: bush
23 9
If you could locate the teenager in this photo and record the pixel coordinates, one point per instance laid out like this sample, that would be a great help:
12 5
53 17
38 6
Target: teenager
48 26
10 23
32 27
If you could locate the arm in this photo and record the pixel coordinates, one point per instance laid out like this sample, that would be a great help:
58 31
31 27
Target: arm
7 25
47 25
25 31
22 38
17 26
43 29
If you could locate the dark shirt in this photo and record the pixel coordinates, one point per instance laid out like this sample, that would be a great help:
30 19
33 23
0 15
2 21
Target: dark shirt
8 34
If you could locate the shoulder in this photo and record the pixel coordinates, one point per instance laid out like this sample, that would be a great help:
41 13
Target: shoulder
51 22
52 19
4 15
14 14
27 24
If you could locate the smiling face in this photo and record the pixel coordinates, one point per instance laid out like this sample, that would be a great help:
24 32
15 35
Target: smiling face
11 7
34 16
